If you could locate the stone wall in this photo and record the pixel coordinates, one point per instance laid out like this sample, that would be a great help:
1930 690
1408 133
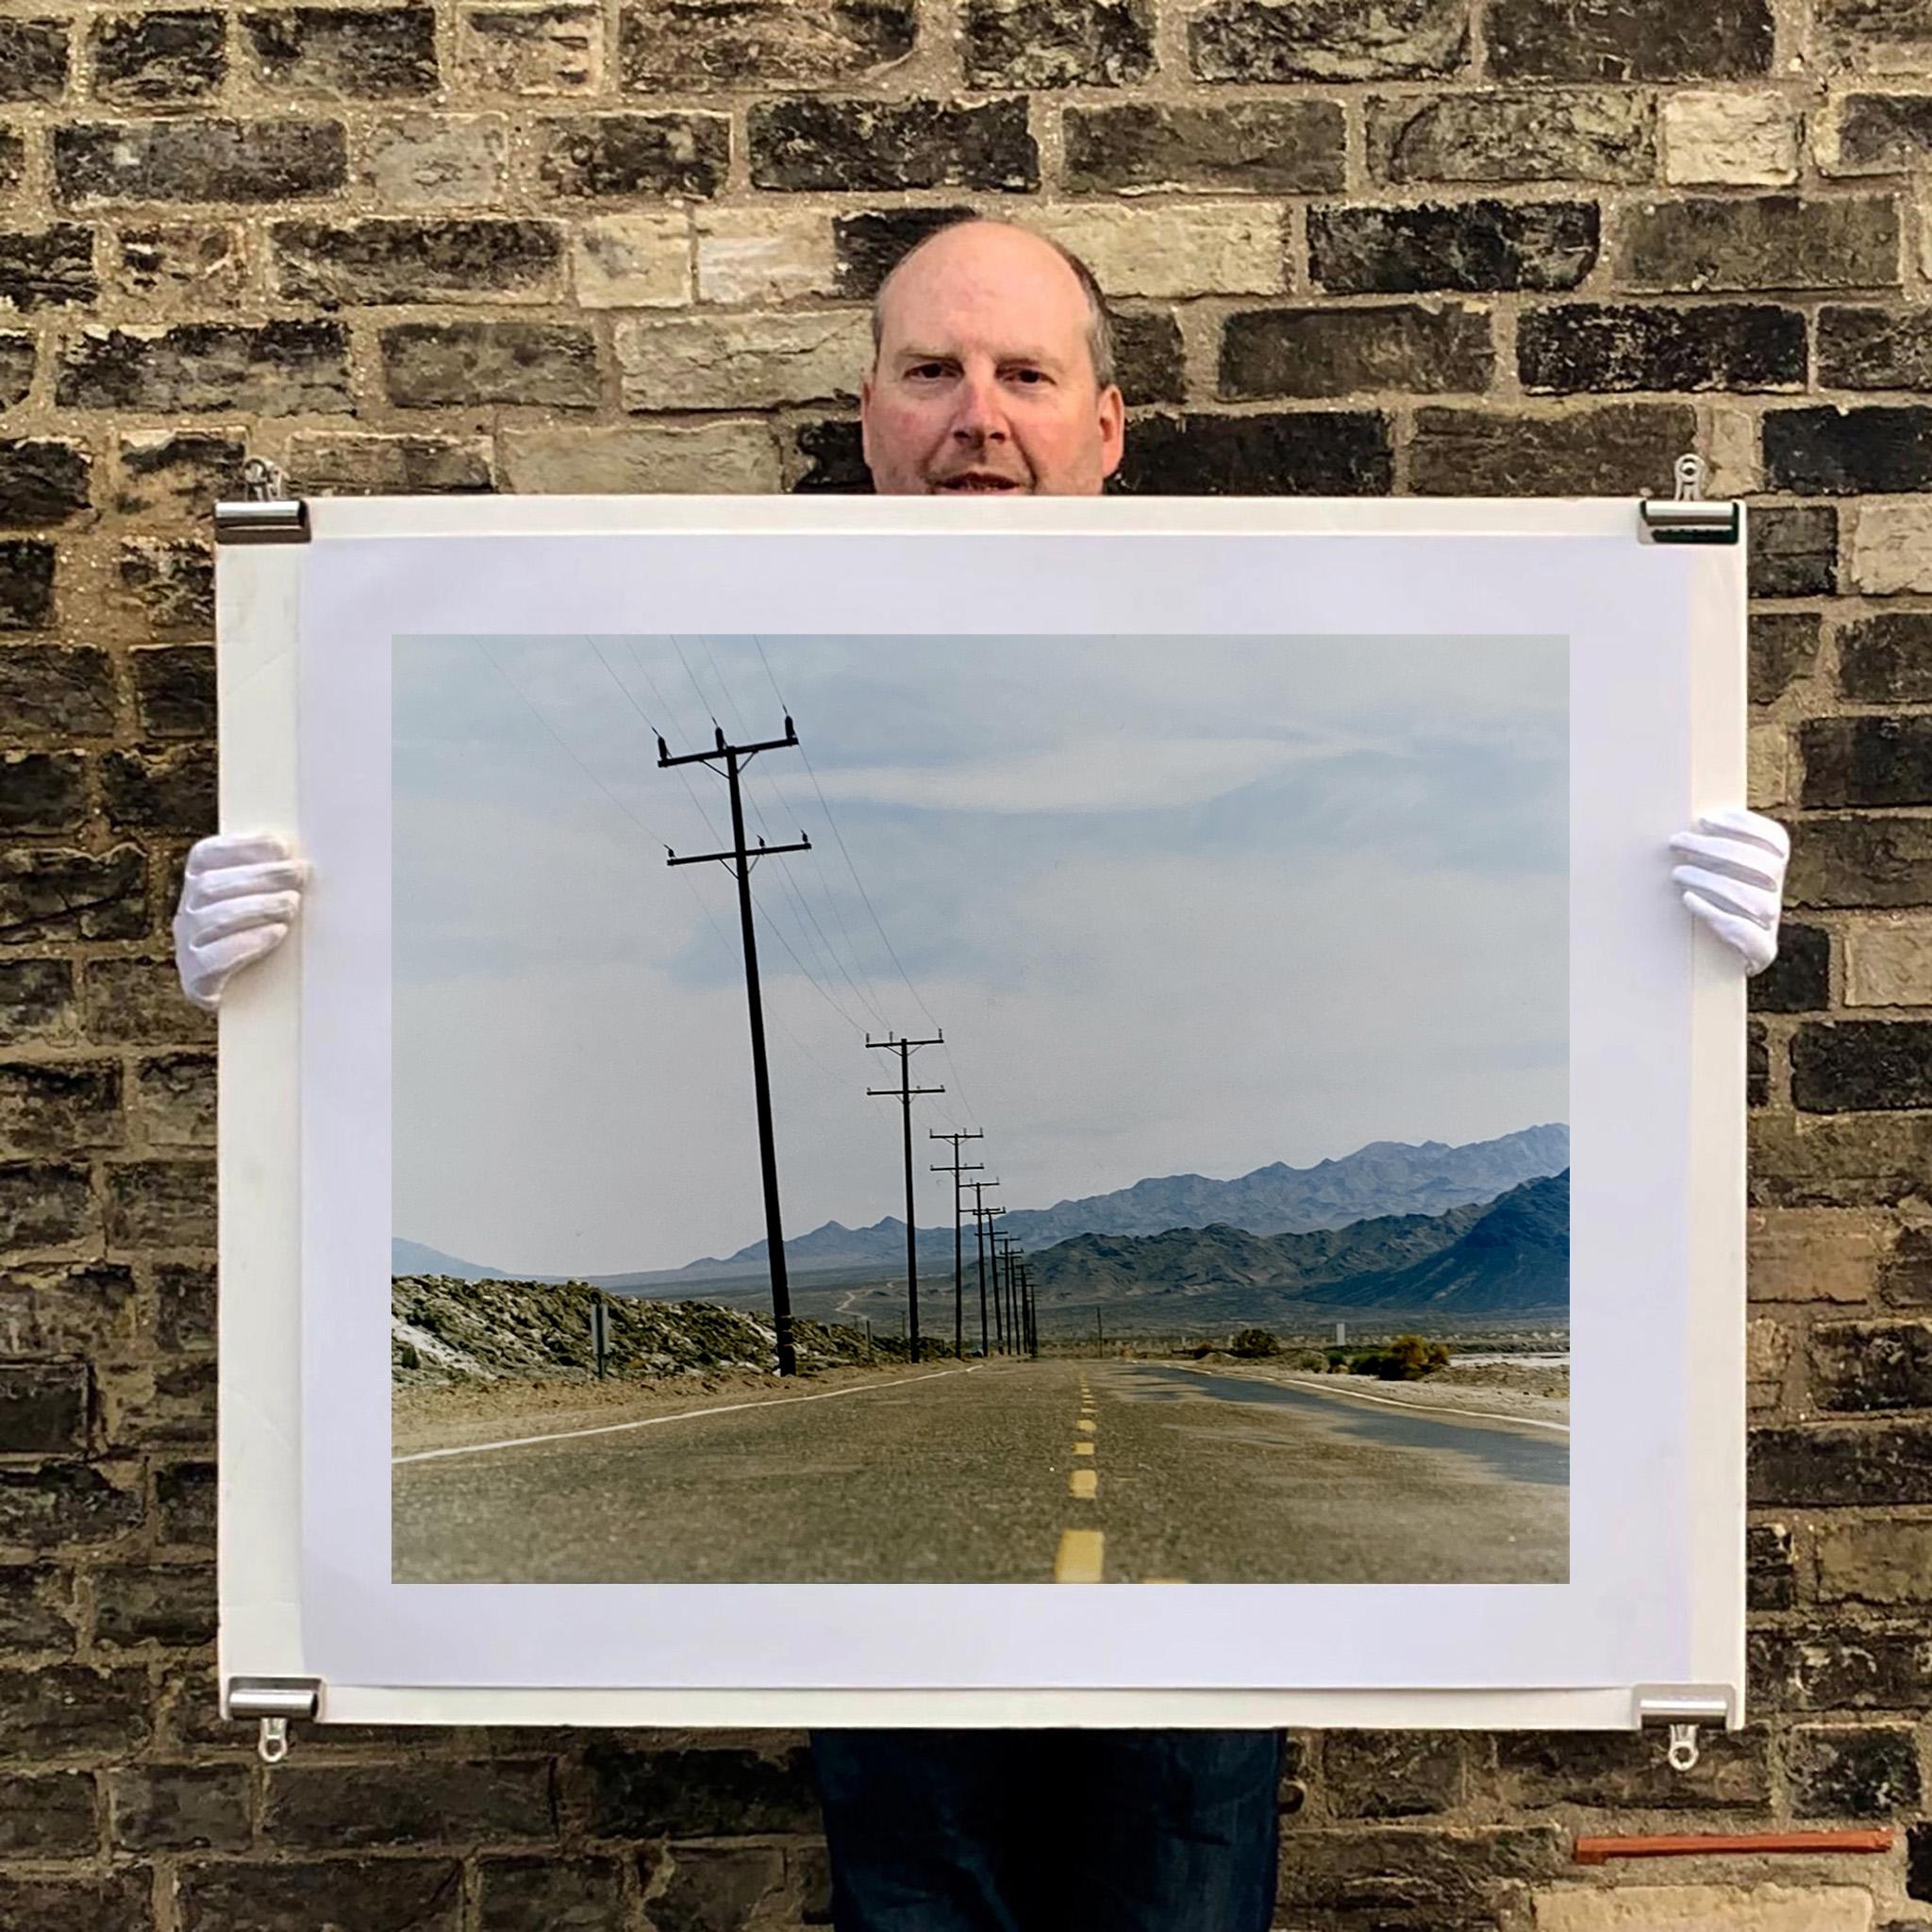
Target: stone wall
1426 247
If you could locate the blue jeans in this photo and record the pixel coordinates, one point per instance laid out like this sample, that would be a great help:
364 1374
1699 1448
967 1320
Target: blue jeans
1050 1831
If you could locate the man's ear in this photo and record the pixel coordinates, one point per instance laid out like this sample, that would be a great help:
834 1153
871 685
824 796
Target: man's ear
865 419
1113 429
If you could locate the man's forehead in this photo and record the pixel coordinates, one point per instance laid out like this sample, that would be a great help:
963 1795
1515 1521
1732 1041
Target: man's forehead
985 289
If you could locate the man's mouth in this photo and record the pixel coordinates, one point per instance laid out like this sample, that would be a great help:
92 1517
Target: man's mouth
976 480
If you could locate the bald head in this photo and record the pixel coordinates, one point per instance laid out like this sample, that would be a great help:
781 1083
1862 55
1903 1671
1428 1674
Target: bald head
992 369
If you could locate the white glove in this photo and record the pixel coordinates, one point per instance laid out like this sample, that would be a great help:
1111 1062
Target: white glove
1736 881
239 896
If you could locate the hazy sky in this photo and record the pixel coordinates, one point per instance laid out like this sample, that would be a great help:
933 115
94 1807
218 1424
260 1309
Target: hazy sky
1179 905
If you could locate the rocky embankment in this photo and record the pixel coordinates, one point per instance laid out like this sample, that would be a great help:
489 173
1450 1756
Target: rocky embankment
446 1332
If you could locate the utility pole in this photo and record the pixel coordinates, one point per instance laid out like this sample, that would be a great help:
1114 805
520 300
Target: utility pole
1002 1276
903 1093
1099 1334
1032 1308
741 860
981 1215
956 1170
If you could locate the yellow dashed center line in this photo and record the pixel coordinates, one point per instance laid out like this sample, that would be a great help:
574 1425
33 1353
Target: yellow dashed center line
1085 1427
1083 1448
1083 1483
1079 1557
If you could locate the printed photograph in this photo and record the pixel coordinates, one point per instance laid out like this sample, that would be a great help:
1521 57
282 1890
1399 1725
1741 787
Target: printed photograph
980 1109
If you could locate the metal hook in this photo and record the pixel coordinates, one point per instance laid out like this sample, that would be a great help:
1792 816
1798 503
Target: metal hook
262 480
273 1742
1691 470
1683 1750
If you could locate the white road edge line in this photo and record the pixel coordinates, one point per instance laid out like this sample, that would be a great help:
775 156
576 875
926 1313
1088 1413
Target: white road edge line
1484 1415
682 1415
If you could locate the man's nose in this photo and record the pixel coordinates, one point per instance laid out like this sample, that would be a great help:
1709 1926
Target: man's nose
978 416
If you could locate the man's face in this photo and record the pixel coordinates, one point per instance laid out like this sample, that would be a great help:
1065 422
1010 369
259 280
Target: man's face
984 382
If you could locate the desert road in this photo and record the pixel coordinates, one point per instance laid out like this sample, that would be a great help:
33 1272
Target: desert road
1002 1472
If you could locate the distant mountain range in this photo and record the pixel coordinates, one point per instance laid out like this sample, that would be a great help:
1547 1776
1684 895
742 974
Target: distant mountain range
1510 1257
1385 1181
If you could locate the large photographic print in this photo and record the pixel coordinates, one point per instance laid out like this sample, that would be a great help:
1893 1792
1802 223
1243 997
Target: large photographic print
1209 995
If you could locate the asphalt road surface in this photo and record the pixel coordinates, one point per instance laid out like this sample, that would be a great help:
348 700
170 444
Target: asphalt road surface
1002 1473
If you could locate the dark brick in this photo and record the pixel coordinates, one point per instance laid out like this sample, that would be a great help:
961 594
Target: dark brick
1618 449
140 1002
49 1817
41 481
172 476
35 1000
184 1305
169 1604
1148 356
33 59
1392 1877
1756 1065
1861 861
349 1805
1628 40
1784 648
697 1791
59 1503
711 1887
1799 979
174 1099
42 1206
1858 1669
347 53
1865 1770
275 369
416 261
185 1499
160 792
1861 1065
1875 32
26 584
1526 135
118 1902
161 1204
886 146
171 582
50 692
347 464
1839 1160
1905 1276
1392 1774
1771 1577
1887 658
213 160
1039 43
1267 147
1882 134
1311 452
867 246
48 268
1609 1769
1839 452
56 1107
835 462
78 1309
12 161
369 1895
672 46
144 58
1863 1367
54 894
16 368
1794 550
583 1895
36 1607
157 1405
591 157
1917 1864
1828 1464
1473 246
1591 345
41 791
1867 760
1874 348
178 1807
205 263
1335 352
549 364
1318 40
1765 242
44 1408
175 690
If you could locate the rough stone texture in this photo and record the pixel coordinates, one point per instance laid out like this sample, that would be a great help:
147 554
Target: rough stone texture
1727 345
1573 134
709 459
693 45
278 369
1628 40
202 265
1618 449
531 51
1475 245
33 59
1231 248
267 160
1038 43
1271 147
1764 242
51 269
1873 349
345 53
1849 452
764 257
1333 352
1890 965
1322 39
631 261
543 363
1306 452
1884 36
598 156
1874 134
1730 139
737 362
163 58
417 261
1794 550
867 145
436 160
369 465
1705 1908
1890 549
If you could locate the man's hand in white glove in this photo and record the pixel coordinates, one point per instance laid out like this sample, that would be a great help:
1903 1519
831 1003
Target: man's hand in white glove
1735 882
238 898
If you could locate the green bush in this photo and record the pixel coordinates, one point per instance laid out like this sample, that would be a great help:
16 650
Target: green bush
1253 1343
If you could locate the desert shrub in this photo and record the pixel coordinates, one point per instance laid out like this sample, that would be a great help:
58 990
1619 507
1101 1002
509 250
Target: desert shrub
1253 1343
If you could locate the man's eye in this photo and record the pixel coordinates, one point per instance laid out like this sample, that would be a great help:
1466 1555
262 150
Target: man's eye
1034 376
927 369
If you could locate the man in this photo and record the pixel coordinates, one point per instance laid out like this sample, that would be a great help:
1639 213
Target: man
994 373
